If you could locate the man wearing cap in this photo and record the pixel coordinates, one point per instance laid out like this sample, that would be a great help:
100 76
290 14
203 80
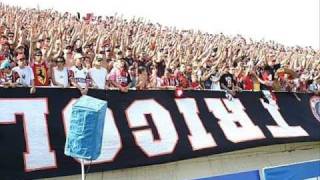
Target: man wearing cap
98 73
80 74
40 70
26 76
7 76
142 79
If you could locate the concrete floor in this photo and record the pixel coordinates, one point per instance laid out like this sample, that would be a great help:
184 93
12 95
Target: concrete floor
237 161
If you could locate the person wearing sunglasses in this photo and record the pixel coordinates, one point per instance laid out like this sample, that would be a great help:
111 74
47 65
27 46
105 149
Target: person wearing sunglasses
60 74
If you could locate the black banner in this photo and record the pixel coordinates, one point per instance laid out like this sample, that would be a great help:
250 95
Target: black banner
146 127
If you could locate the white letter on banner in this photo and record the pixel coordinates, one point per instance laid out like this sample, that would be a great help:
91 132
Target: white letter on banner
111 141
282 129
38 153
168 136
229 115
199 137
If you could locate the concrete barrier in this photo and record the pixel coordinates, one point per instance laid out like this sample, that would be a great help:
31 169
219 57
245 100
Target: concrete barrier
237 161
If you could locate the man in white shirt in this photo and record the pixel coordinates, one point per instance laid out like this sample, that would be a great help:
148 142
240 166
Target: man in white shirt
60 74
98 74
26 76
80 75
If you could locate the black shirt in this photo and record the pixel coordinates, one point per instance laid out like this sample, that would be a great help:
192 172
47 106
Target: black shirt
129 60
272 69
141 63
228 80
161 66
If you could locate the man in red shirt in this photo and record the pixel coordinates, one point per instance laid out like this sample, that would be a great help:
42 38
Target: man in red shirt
181 77
40 70
195 83
169 80
247 81
183 81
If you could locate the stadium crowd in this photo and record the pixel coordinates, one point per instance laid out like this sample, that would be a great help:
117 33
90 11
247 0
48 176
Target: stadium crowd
48 48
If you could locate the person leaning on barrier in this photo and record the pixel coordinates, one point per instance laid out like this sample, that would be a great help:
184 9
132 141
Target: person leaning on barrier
40 69
26 76
119 76
227 81
247 80
168 80
133 76
142 79
61 76
211 79
7 76
98 74
195 85
80 74
154 79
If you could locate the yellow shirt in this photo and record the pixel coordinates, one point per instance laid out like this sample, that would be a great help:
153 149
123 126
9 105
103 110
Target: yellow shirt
256 86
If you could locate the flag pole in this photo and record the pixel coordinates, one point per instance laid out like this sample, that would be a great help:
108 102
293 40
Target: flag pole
82 169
